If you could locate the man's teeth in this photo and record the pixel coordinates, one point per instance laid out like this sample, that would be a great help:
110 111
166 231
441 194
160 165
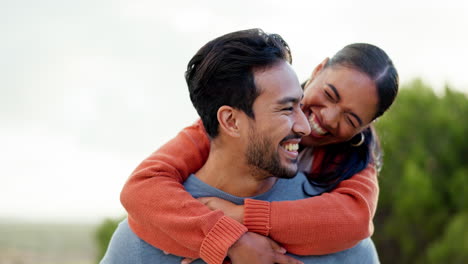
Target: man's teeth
316 127
291 147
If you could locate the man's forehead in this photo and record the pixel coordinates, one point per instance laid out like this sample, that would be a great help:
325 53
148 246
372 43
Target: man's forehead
278 82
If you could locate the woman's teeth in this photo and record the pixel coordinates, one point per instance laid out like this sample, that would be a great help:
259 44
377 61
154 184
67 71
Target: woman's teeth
315 127
291 147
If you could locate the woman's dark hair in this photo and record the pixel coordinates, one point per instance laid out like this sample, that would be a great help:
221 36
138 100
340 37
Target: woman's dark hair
221 72
342 160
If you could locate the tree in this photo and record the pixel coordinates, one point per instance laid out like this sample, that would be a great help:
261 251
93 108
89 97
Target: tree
424 180
103 235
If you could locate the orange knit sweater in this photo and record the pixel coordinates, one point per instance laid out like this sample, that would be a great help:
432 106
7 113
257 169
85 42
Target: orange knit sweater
163 214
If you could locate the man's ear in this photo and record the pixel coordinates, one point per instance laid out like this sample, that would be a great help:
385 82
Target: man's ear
228 118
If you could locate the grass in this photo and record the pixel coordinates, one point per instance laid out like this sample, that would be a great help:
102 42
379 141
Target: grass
46 243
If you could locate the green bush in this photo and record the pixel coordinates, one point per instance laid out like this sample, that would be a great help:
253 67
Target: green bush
103 235
424 181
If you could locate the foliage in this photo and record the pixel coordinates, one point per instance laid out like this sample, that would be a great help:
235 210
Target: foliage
423 210
103 235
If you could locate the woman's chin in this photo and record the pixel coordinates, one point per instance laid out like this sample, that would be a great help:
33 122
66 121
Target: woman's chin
311 141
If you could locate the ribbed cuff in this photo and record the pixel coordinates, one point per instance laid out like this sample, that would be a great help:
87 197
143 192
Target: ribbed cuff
220 238
257 216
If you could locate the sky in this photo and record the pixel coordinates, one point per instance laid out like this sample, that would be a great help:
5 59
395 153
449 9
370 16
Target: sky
88 89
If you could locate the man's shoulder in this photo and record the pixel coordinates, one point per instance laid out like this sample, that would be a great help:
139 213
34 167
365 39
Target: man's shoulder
196 187
296 188
288 189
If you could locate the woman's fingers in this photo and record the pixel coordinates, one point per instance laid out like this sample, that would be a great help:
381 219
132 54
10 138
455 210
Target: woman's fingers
285 259
280 258
276 247
232 210
187 260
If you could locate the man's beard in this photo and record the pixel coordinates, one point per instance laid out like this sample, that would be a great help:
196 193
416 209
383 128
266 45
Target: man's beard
264 158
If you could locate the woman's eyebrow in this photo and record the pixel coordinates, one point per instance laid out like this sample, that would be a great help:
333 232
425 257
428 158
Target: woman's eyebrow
357 117
335 91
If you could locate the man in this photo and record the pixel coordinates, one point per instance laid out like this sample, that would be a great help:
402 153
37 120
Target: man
248 98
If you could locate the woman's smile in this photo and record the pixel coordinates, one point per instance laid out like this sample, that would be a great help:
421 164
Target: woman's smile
316 129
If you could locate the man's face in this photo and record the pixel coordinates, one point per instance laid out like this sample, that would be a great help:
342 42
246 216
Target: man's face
279 124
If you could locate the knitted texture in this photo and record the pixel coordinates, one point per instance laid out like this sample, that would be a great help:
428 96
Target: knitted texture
163 214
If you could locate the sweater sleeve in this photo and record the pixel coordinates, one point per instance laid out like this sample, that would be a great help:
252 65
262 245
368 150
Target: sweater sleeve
323 224
166 216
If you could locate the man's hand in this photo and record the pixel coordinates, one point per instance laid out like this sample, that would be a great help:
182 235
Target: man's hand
232 210
253 248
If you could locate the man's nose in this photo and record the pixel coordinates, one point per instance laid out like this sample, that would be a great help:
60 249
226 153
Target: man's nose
301 126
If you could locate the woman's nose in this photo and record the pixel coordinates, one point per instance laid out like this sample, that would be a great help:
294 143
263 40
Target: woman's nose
330 117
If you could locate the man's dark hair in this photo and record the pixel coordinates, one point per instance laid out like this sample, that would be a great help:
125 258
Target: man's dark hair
222 72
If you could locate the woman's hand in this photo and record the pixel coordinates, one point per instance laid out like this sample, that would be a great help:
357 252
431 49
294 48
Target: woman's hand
253 248
232 210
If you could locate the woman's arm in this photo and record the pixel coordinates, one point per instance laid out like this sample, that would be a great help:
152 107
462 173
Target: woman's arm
323 224
163 214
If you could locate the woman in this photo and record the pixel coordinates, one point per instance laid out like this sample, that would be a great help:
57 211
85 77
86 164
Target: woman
342 97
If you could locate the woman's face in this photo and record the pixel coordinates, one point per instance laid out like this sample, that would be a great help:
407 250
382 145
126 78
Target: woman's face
339 103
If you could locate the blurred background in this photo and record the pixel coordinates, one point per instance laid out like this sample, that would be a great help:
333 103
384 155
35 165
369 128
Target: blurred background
91 88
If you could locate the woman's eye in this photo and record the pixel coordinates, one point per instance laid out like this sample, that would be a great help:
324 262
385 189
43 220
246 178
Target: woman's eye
329 96
351 122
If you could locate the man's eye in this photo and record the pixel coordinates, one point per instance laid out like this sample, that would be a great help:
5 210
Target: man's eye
287 109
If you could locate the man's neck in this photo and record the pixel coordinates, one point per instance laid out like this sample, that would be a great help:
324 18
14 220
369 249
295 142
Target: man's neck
228 171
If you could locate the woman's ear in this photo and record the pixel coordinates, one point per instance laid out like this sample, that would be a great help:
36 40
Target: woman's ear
319 68
228 118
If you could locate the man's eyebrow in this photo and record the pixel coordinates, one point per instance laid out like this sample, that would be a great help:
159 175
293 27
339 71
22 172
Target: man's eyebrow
289 99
